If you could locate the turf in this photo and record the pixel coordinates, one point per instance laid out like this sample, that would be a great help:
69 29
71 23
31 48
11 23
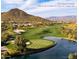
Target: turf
38 44
40 32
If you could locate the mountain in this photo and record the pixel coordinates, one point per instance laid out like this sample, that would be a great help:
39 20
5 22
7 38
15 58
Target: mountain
63 18
19 16
14 13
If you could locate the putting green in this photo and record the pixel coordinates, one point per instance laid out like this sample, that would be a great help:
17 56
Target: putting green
38 44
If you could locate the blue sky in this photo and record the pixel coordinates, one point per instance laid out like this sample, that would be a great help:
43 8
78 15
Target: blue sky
42 8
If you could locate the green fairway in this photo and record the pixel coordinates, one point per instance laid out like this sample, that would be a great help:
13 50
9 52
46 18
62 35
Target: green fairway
40 32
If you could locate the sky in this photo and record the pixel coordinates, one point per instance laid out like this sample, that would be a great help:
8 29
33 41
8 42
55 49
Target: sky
42 8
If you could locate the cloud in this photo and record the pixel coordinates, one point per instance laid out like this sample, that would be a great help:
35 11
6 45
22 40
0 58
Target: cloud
29 4
48 12
54 8
45 8
13 1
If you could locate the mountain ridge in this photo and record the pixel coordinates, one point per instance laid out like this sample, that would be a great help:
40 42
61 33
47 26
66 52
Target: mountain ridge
71 18
18 15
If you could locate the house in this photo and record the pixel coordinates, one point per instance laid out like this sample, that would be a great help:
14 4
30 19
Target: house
3 48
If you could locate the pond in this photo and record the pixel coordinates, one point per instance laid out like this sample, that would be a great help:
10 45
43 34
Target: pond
60 51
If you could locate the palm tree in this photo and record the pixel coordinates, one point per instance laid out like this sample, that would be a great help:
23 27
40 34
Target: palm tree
21 43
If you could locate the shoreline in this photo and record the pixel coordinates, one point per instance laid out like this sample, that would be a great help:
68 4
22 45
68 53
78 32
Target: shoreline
62 38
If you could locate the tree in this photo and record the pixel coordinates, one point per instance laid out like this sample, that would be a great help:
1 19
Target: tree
72 56
6 36
21 43
4 26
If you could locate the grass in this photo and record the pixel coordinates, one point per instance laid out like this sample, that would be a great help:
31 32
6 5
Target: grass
39 32
35 44
12 49
56 30
38 44
34 33
12 46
